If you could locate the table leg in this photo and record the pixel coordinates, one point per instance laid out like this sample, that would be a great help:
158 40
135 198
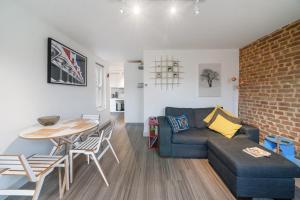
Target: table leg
58 144
55 147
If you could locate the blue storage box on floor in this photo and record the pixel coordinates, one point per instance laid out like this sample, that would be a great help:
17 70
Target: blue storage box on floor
286 147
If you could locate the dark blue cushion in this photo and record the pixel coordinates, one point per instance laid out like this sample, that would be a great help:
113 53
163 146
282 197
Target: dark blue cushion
178 123
189 112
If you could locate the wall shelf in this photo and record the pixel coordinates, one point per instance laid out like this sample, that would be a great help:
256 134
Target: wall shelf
167 72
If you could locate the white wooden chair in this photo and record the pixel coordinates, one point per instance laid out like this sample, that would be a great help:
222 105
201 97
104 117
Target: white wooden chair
80 138
75 139
90 117
91 147
36 168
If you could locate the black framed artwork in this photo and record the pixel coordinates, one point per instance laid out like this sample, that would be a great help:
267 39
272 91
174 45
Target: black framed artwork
65 66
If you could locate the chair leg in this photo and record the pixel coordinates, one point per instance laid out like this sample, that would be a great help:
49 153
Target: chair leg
38 188
71 167
60 183
53 150
113 151
99 168
65 184
88 159
67 173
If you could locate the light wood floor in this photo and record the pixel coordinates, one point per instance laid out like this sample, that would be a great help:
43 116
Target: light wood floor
141 175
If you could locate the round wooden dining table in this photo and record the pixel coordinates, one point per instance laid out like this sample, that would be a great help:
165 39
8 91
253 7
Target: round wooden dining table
62 134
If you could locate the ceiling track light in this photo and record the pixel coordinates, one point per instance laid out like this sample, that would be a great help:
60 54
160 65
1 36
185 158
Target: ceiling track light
136 9
196 9
123 9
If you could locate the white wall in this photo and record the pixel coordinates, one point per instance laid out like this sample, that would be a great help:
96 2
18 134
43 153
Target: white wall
116 76
133 96
25 93
186 95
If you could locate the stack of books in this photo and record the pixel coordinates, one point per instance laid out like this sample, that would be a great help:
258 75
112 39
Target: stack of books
257 152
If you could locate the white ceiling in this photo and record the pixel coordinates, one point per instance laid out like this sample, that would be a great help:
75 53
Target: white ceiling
98 24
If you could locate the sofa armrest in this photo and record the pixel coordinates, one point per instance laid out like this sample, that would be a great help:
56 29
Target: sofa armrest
165 137
249 132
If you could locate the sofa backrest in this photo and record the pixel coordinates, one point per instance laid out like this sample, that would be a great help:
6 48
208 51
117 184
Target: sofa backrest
189 112
200 114
194 115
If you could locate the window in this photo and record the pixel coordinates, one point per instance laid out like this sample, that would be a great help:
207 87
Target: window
100 87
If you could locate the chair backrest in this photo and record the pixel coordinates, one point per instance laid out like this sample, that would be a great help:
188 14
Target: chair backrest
93 117
100 141
15 164
105 133
108 129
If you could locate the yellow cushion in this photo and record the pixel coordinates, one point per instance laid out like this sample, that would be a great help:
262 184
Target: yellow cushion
224 126
210 115
226 115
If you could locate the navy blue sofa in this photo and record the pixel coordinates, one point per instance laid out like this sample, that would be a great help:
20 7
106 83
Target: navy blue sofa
244 175
193 142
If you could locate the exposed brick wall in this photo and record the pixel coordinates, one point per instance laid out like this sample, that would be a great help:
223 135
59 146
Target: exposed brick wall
270 83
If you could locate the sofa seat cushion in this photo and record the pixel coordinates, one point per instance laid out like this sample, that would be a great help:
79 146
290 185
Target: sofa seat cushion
194 136
230 153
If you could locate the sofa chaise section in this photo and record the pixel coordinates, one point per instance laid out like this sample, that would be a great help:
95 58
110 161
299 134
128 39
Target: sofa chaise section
249 177
244 175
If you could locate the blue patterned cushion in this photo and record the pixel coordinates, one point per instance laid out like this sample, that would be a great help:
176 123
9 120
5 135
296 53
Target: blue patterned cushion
178 123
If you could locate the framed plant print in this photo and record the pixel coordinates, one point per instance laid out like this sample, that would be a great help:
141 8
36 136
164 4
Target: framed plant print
209 80
65 65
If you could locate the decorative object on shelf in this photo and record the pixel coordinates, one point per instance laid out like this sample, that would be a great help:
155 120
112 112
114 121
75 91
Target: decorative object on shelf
158 75
283 146
153 133
119 105
209 80
167 72
48 120
65 66
117 93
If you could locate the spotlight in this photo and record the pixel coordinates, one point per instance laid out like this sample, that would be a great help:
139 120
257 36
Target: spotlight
136 9
196 10
173 10
196 7
124 8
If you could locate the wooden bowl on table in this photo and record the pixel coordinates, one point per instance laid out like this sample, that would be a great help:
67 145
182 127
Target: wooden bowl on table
48 120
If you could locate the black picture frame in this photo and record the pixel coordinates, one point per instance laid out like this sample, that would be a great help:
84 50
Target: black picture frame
65 65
